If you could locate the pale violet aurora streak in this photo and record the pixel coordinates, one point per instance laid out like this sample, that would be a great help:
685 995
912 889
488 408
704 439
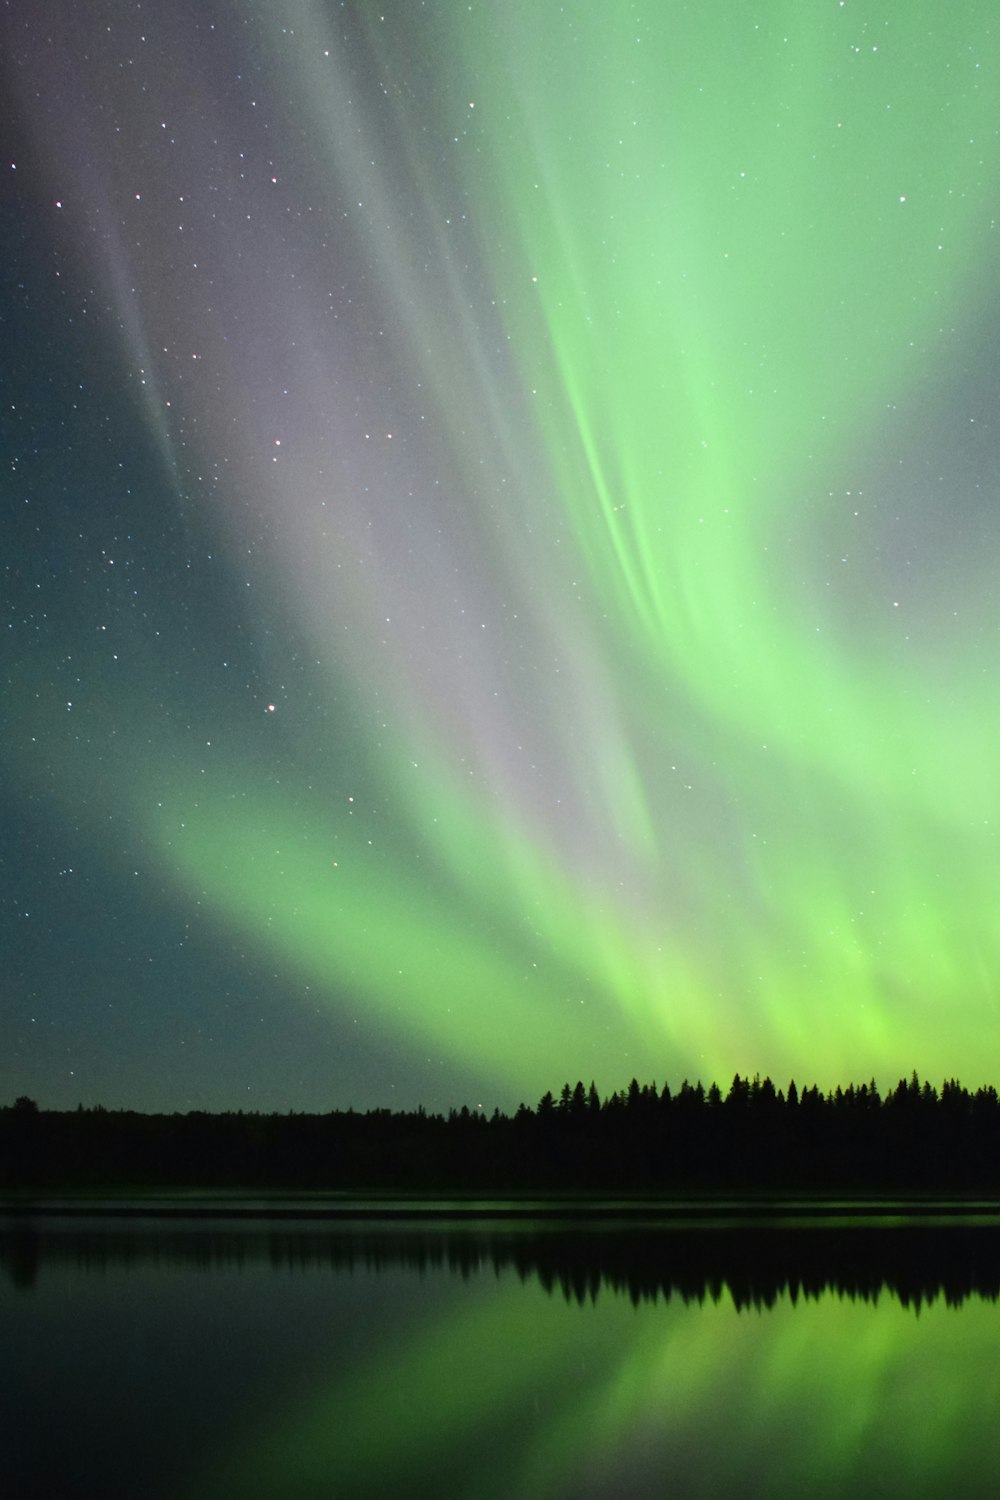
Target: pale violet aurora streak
593 386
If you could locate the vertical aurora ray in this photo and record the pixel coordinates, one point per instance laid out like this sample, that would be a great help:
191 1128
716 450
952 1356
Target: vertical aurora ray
567 386
733 282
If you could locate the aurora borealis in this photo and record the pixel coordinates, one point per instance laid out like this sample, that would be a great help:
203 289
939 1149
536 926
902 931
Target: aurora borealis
500 542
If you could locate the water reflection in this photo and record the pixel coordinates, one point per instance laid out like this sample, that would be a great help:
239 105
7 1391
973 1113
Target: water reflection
753 1264
496 1361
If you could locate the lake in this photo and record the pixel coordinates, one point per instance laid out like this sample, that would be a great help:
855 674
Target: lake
198 1349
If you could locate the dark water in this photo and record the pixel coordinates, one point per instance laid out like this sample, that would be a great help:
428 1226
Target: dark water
719 1355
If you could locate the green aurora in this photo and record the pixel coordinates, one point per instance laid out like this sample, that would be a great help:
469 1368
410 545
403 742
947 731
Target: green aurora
636 523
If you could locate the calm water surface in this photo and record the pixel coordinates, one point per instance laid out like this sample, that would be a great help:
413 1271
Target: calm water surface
194 1357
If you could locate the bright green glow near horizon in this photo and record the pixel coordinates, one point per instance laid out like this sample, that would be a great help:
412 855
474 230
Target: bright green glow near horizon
724 257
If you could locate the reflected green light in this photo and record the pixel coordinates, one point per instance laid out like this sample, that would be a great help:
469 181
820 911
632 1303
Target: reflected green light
512 1390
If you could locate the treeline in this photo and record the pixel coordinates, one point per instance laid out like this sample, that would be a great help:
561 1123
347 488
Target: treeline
643 1138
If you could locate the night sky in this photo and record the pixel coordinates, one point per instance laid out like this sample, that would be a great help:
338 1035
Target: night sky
501 547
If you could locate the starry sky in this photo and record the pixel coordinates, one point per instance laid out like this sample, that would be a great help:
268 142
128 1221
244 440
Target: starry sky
500 538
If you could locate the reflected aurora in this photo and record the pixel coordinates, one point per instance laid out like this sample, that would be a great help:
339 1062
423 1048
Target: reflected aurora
513 1388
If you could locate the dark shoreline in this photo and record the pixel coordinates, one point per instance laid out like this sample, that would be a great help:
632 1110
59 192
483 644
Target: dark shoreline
382 1206
755 1254
915 1141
